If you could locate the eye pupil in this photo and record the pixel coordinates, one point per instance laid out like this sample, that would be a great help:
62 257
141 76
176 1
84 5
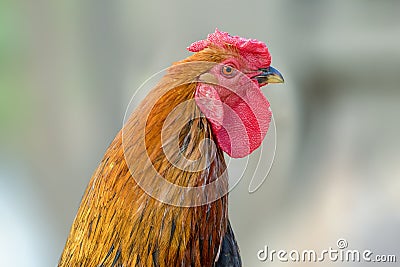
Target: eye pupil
228 71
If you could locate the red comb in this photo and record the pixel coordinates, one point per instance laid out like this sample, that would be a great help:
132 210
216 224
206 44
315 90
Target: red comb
255 51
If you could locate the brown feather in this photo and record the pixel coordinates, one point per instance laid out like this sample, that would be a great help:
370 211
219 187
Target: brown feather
118 223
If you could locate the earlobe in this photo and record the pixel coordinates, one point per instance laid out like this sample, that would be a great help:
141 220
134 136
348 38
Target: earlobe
209 102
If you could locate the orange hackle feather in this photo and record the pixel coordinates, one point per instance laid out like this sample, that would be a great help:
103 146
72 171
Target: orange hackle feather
118 223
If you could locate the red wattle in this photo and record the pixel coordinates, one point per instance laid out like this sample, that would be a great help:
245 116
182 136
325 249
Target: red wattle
245 121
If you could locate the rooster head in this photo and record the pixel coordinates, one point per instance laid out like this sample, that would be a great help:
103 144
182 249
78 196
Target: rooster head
228 93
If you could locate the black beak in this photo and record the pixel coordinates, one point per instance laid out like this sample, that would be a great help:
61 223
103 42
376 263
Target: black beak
269 75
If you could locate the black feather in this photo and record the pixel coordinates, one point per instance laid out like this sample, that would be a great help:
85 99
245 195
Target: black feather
229 254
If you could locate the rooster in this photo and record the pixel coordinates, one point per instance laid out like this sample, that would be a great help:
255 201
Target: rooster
159 196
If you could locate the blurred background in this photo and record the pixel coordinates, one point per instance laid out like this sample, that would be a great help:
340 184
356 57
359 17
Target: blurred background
68 70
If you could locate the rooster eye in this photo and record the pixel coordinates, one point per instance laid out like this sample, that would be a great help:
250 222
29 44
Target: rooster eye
228 71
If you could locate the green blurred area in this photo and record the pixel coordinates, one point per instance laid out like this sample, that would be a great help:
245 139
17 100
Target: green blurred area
13 98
